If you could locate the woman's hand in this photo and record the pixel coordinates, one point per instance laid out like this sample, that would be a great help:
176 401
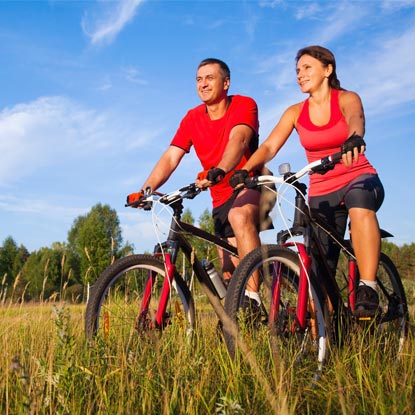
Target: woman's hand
351 149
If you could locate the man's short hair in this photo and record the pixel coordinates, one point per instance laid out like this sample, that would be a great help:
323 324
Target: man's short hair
223 66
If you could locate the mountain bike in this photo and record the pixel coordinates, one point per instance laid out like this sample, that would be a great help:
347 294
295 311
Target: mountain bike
145 293
301 312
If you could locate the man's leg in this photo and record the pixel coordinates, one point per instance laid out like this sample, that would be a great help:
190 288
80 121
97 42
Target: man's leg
244 217
228 261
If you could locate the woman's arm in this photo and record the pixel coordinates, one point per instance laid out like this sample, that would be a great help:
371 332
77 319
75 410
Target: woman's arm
277 138
352 109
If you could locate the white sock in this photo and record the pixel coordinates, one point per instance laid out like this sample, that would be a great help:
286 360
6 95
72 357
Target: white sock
369 283
254 295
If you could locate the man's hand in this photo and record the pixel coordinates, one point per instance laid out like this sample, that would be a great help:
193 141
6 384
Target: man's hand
238 178
207 178
351 149
135 197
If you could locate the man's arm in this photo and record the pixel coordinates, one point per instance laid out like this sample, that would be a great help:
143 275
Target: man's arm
166 165
239 140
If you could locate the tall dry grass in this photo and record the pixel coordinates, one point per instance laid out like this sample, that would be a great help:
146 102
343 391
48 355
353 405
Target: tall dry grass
47 367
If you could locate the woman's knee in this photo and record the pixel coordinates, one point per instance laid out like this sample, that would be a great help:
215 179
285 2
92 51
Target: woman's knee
362 214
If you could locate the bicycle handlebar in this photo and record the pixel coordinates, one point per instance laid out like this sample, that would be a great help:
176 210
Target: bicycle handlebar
187 192
289 177
191 191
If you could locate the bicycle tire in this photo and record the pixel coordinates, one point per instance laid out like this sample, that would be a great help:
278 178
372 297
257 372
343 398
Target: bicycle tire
393 322
114 306
288 341
388 328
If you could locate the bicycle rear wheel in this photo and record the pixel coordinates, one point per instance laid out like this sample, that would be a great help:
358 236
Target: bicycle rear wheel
393 321
125 298
387 330
275 332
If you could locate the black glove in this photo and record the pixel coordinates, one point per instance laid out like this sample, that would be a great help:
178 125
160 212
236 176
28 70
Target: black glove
354 141
215 175
238 177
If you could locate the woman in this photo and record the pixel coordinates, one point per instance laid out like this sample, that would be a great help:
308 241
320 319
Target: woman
332 117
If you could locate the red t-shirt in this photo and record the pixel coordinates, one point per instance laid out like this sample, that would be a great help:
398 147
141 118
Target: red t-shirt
210 137
321 141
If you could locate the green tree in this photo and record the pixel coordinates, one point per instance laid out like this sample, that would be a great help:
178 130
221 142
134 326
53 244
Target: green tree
12 259
8 254
95 241
202 248
20 259
406 265
40 276
187 216
205 249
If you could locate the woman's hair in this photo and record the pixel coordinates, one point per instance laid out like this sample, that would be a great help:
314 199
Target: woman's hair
226 73
326 57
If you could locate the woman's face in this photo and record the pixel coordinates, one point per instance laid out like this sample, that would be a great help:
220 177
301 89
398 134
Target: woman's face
312 74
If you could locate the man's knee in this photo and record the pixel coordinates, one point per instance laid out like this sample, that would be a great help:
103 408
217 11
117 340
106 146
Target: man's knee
243 220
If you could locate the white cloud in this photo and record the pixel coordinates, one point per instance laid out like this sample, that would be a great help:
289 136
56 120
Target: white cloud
387 78
104 27
37 133
40 207
271 3
53 131
393 5
344 19
308 11
132 74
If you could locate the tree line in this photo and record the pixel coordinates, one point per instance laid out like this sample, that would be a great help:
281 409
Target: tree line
64 270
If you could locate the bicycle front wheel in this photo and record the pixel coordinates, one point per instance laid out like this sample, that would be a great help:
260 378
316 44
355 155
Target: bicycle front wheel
275 331
125 300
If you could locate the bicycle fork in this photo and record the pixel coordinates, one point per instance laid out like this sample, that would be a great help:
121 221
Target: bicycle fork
303 288
159 319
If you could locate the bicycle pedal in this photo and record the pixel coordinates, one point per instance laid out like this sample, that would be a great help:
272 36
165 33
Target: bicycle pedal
365 318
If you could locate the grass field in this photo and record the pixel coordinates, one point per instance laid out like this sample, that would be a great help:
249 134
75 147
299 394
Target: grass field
47 367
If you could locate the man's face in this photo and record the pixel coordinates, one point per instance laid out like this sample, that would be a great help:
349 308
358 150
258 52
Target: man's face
211 86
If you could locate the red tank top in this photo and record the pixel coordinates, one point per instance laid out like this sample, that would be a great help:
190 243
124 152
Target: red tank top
321 141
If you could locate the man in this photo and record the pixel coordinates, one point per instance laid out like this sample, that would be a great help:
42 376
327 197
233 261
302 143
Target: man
224 133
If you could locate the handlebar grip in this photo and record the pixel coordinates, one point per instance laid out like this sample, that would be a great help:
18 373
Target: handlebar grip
326 163
142 203
336 157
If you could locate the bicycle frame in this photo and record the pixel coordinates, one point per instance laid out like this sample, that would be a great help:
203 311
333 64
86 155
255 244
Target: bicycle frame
169 249
330 285
304 224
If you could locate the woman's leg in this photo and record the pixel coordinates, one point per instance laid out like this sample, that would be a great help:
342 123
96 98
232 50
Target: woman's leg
363 198
366 241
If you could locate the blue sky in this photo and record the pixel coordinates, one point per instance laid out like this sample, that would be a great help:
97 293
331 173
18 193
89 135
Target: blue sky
93 91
